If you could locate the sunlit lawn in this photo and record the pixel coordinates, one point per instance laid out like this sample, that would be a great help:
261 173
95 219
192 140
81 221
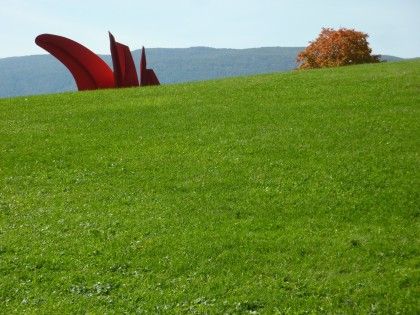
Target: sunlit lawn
284 193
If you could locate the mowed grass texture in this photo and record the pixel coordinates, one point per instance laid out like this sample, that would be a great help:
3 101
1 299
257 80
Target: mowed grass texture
289 193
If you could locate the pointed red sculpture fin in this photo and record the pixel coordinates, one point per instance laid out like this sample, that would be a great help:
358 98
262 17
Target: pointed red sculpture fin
125 73
151 77
115 61
88 69
147 76
143 65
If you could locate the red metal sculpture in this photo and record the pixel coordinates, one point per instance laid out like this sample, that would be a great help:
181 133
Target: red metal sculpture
90 71
125 73
147 76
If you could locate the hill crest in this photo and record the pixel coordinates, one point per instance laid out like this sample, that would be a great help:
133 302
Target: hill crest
43 74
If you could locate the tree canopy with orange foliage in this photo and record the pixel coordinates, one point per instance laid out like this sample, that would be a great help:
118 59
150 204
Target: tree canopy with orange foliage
334 48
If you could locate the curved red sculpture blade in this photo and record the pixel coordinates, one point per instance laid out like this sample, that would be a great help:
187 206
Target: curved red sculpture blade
125 73
89 71
147 76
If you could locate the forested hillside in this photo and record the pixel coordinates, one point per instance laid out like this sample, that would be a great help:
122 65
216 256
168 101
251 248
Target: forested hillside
43 74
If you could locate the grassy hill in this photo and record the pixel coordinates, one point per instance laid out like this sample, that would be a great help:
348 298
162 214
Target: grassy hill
286 193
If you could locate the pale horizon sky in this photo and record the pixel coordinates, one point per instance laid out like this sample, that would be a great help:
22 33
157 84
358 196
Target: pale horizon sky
393 26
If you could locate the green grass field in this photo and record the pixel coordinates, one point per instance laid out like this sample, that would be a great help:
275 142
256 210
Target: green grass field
288 193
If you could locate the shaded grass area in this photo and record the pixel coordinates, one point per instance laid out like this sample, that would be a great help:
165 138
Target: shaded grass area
282 193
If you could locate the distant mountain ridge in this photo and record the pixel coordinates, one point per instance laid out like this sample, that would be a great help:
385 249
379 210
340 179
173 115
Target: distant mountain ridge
43 74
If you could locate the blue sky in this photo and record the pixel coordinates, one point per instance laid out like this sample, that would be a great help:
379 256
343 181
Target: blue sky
393 25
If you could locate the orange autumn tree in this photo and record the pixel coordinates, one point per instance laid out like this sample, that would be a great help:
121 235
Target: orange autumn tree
334 48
